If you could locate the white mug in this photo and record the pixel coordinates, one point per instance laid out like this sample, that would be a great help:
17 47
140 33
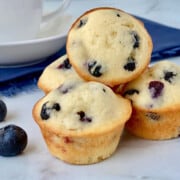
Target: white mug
21 19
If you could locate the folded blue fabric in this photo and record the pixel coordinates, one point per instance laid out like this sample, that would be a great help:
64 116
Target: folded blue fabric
166 40
166 43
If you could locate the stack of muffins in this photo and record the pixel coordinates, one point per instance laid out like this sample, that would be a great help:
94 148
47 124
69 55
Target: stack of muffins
104 84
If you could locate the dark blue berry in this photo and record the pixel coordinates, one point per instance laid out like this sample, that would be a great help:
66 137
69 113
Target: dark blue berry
3 111
168 76
131 92
135 39
156 88
65 65
83 117
94 69
47 108
130 65
82 22
104 90
13 140
118 15
65 89
153 116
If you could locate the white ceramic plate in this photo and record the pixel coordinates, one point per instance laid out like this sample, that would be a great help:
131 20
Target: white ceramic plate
49 40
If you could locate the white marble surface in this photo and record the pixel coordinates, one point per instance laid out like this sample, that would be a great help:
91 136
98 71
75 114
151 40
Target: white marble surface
163 11
134 159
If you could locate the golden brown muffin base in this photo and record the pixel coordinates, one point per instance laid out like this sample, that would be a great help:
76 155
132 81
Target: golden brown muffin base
78 146
82 150
166 124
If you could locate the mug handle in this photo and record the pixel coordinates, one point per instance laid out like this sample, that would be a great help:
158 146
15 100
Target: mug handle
60 10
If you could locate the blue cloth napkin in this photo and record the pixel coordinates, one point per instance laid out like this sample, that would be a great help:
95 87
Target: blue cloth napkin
166 42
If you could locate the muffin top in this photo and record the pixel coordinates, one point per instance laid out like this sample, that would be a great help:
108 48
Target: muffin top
157 88
87 108
109 46
56 74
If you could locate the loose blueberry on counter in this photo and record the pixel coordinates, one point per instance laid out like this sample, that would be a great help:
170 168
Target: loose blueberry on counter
156 88
83 117
13 140
47 108
130 65
3 111
94 69
65 65
168 76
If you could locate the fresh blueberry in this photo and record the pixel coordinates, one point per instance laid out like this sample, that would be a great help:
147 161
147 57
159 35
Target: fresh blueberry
65 65
168 76
47 108
156 88
13 140
95 69
3 111
130 65
83 117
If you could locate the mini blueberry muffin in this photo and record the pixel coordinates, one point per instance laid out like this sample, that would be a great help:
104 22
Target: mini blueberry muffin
109 46
156 102
57 73
82 124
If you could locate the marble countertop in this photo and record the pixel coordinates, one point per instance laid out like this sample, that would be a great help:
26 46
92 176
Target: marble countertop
165 12
134 159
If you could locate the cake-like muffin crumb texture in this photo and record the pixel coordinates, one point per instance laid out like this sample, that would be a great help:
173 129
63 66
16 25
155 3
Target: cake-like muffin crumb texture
109 46
157 88
82 124
156 102
56 73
